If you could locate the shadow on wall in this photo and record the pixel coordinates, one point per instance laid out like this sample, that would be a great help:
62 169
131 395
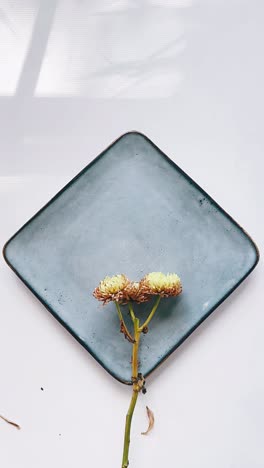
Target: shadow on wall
127 49
61 57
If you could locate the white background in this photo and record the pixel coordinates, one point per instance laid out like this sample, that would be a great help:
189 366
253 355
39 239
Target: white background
74 75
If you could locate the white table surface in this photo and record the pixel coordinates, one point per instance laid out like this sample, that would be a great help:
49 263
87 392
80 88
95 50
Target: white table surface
74 75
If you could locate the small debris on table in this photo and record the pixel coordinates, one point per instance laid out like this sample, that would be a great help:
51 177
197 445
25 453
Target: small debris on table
151 419
10 422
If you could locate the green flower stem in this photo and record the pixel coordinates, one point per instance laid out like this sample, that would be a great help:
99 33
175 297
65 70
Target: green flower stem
145 324
127 429
131 312
137 383
122 322
136 390
137 332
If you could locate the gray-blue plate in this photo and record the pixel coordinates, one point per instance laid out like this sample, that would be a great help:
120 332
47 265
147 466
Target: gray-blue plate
132 210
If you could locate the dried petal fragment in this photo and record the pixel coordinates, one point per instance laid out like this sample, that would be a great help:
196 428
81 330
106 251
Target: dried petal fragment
10 422
151 421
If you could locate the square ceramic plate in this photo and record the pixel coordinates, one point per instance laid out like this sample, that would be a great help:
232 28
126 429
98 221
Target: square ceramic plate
132 210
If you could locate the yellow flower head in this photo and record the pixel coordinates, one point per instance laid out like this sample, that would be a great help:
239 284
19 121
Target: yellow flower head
157 283
119 288
112 288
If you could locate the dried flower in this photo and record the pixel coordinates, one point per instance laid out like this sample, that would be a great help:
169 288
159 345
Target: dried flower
121 290
135 293
112 288
157 283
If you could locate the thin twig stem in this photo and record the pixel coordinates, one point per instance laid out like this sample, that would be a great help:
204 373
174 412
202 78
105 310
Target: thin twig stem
131 312
123 325
145 324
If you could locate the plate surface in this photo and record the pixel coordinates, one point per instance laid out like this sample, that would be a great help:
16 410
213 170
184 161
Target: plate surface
132 211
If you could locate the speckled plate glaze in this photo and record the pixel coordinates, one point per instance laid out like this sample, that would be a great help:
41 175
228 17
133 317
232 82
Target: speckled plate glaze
132 210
